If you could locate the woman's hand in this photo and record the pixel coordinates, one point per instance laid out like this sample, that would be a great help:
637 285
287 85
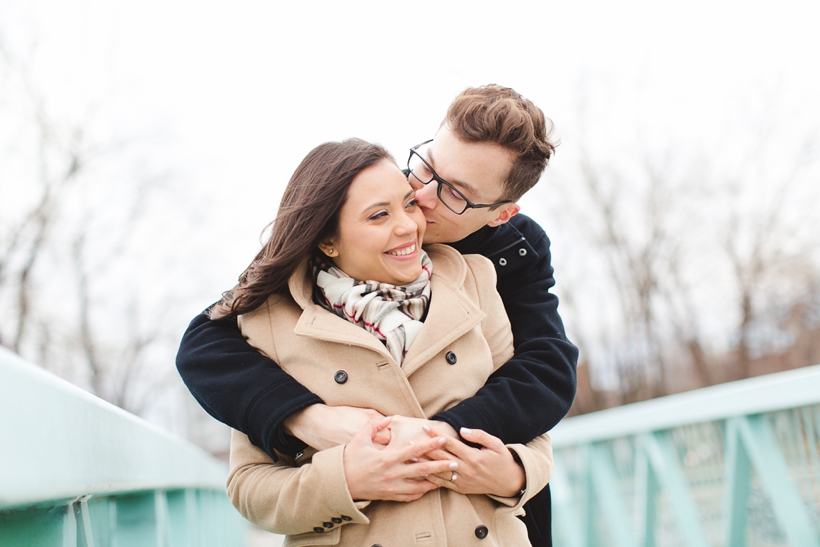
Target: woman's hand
406 429
322 426
389 472
488 470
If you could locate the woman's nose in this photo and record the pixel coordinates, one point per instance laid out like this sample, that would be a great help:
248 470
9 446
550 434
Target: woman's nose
406 225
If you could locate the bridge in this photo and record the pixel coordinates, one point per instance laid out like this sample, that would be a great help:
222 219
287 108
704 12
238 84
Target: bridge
76 471
726 466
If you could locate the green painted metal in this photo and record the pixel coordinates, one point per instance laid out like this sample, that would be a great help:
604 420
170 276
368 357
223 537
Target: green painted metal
666 468
76 471
737 492
646 485
567 513
735 465
604 482
764 452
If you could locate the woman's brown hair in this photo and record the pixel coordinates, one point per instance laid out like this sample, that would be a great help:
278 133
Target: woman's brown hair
308 214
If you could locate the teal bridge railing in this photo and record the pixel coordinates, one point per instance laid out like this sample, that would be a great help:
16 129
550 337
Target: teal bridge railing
76 471
725 466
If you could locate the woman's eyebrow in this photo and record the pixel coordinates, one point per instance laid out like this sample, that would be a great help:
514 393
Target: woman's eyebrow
373 205
385 203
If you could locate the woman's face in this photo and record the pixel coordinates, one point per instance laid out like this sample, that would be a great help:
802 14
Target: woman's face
380 228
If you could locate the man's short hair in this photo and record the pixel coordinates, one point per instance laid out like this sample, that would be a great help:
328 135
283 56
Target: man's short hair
500 115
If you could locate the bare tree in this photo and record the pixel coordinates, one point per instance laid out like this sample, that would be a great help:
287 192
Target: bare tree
67 304
705 265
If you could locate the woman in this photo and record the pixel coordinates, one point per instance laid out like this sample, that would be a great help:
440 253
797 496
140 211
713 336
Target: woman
349 214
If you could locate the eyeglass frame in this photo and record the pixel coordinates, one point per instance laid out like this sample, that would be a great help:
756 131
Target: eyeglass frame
441 182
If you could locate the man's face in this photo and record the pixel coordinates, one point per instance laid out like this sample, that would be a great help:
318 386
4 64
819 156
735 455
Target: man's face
478 170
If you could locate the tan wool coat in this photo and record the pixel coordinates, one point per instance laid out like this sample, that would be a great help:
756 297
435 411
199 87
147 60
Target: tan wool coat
308 499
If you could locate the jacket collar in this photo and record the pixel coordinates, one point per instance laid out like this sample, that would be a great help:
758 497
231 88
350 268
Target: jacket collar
450 316
505 245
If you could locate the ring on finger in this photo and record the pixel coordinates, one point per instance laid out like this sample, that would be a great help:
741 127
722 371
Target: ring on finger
454 477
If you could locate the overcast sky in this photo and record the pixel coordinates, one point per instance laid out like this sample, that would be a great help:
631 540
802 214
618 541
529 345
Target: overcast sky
230 96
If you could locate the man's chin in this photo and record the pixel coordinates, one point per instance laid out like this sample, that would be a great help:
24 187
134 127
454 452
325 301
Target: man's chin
430 238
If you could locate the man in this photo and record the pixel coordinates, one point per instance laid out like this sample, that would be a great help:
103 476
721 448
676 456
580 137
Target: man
491 148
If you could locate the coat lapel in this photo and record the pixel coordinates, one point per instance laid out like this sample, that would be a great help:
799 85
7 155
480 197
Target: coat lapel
321 324
451 315
317 322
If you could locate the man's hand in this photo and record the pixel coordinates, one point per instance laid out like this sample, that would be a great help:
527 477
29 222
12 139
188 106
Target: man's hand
387 473
488 470
322 426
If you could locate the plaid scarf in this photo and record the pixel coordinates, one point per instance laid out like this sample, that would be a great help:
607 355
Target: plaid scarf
392 313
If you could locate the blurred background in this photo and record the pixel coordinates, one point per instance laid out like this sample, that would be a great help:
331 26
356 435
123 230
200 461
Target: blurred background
144 146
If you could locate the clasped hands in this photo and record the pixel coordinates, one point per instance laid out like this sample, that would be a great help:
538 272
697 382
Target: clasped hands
400 458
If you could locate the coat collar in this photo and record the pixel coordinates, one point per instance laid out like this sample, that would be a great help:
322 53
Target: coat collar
450 316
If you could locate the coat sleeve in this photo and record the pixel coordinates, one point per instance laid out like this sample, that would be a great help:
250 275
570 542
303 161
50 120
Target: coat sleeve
536 459
532 392
239 386
281 498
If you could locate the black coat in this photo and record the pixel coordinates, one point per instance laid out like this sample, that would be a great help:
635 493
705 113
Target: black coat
523 399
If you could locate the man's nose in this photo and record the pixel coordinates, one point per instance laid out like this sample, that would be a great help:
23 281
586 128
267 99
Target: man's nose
426 194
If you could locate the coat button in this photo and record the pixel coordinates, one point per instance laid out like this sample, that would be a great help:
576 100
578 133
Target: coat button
502 261
336 520
346 518
340 377
318 529
522 252
451 357
327 524
481 532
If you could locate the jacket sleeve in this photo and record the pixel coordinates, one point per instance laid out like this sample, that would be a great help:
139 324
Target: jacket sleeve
532 392
239 386
281 498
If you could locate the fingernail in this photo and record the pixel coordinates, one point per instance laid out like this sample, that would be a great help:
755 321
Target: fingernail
466 432
442 440
426 428
415 460
453 466
412 442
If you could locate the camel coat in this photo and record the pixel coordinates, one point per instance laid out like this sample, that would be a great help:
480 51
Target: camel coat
466 336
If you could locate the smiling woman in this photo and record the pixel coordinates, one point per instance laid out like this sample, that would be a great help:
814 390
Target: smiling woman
308 214
345 299
380 228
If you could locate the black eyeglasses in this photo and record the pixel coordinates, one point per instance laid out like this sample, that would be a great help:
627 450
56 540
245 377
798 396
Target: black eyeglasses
449 195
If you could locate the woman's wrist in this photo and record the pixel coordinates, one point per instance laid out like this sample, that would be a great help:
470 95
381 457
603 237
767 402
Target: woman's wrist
516 485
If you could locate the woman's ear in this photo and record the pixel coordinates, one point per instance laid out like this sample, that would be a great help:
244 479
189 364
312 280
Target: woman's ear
327 248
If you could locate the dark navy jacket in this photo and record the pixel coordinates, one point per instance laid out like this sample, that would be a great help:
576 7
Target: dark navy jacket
523 399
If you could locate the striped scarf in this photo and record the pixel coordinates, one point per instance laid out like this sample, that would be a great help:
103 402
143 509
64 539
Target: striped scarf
392 313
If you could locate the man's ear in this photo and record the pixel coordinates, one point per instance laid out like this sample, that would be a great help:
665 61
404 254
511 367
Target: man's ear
504 214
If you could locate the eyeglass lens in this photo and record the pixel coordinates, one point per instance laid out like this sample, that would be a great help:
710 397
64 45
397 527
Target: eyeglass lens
450 196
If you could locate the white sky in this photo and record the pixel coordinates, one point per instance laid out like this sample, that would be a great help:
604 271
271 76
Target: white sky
233 95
